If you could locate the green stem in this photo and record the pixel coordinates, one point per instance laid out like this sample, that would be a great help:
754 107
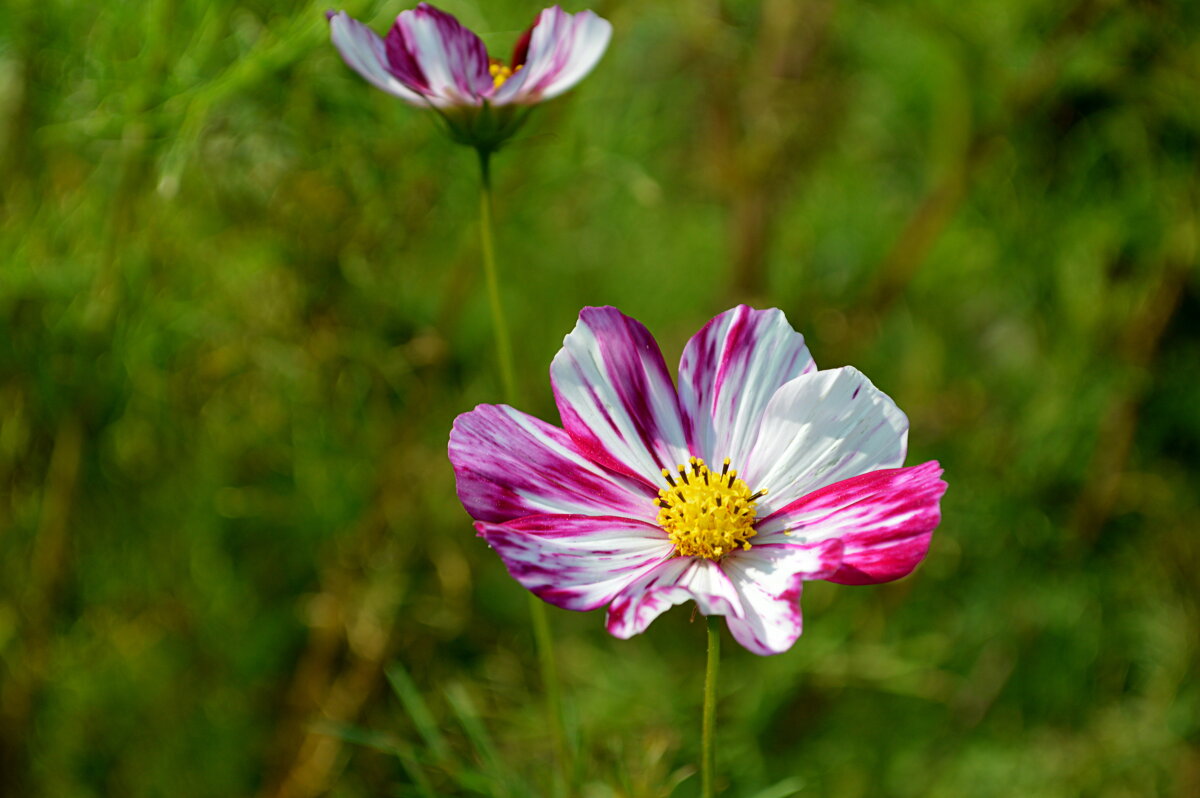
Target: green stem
708 762
503 342
549 669
537 609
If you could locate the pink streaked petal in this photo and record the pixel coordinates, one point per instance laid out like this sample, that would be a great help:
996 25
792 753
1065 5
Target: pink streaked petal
615 396
402 59
577 562
508 464
452 59
820 428
769 580
729 372
884 520
562 49
673 582
365 53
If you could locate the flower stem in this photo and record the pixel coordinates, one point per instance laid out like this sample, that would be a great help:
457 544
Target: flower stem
503 342
549 669
709 755
537 609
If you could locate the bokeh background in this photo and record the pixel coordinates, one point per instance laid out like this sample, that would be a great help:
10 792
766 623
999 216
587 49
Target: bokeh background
240 305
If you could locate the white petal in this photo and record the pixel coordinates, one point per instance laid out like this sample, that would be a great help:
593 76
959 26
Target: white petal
563 49
884 520
365 53
729 371
508 464
616 397
452 58
673 582
577 562
768 580
819 429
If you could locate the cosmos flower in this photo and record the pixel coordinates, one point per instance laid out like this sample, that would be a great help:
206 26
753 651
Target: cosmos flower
756 473
429 59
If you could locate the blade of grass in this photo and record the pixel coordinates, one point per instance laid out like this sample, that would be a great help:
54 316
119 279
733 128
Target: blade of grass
406 690
427 727
412 767
385 743
378 741
481 741
680 776
784 789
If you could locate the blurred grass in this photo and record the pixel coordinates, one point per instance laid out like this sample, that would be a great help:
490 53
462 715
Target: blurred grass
240 306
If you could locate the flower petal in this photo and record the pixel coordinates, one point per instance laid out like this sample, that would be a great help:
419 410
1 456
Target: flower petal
508 464
729 372
452 59
562 49
577 562
366 54
616 397
673 582
884 520
820 428
768 580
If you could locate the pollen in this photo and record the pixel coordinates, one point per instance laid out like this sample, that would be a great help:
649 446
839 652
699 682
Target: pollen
706 514
501 73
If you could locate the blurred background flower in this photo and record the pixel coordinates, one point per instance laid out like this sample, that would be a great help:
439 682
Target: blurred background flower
429 59
239 312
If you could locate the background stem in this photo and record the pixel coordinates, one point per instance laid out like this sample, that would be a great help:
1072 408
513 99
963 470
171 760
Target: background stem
537 609
487 242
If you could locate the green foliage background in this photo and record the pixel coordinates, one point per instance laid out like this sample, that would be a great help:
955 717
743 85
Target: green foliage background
240 305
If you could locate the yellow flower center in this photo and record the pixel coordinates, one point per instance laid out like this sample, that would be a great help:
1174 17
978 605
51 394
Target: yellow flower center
501 72
704 513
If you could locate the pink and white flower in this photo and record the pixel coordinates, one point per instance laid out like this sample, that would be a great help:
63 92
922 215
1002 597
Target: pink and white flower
429 59
757 472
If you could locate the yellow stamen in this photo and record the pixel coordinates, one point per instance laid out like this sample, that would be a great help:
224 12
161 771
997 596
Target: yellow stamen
501 73
706 514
